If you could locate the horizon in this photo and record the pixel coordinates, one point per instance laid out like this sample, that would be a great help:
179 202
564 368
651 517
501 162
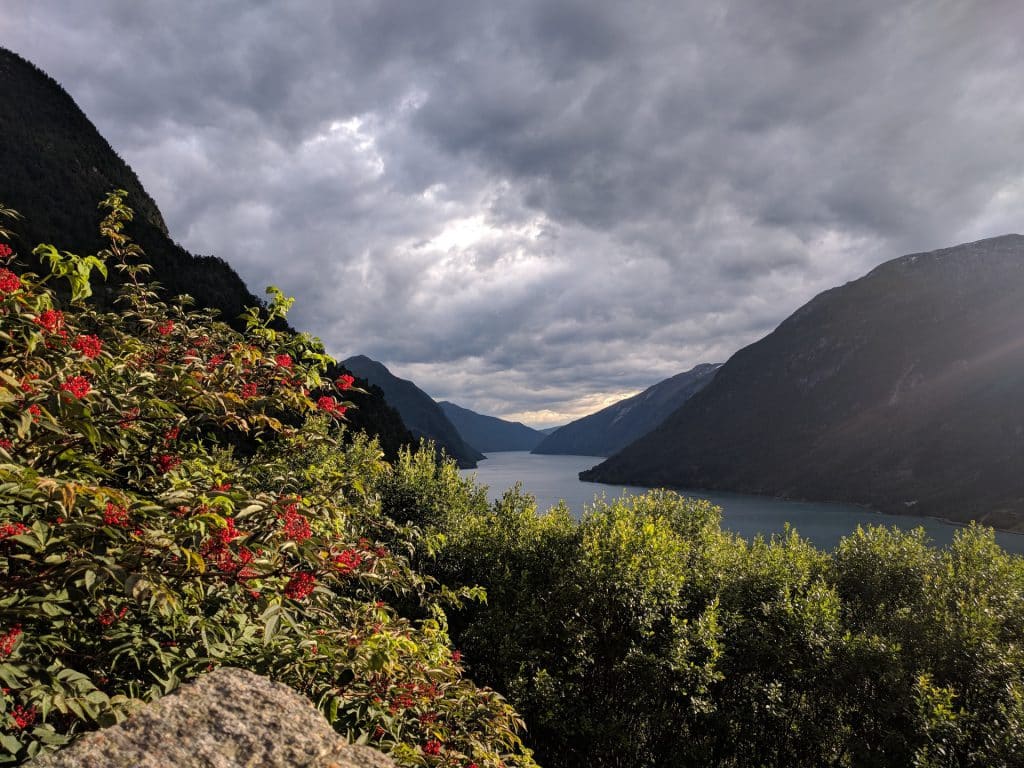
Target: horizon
559 204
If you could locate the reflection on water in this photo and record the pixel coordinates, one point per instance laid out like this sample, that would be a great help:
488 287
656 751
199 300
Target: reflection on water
554 478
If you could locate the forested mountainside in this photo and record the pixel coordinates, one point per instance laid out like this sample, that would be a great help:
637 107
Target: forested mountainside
55 167
903 390
421 414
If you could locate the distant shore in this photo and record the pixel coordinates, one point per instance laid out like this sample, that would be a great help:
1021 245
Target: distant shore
1018 531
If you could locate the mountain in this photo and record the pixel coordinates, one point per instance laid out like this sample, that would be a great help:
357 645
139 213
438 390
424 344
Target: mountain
903 390
375 416
549 430
421 414
613 428
55 167
489 433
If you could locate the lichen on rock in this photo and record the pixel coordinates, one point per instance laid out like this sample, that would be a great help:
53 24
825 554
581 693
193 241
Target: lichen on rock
229 718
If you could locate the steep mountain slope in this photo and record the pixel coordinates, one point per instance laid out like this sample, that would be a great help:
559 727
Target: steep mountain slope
420 413
903 390
375 416
489 433
54 169
613 428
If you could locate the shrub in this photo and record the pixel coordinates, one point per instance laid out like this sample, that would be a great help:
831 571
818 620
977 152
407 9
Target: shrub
174 496
644 635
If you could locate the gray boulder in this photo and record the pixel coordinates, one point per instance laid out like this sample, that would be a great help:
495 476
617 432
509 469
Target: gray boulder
227 719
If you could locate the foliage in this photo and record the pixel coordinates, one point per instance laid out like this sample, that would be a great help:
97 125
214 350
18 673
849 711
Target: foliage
644 635
55 166
176 495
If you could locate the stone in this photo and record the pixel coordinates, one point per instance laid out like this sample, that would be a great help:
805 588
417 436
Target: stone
229 718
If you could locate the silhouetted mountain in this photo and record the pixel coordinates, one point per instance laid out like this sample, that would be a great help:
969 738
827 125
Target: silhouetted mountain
420 413
549 430
613 428
55 167
375 416
489 433
903 390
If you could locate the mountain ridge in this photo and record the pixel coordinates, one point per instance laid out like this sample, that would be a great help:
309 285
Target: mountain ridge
421 414
611 429
900 390
51 148
56 166
489 433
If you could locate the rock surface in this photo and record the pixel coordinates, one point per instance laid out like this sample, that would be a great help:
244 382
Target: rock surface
227 719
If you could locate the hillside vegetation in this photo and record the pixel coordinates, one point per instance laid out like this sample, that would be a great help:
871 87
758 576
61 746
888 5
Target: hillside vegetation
645 635
55 166
176 495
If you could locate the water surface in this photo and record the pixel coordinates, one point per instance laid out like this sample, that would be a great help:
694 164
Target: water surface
553 478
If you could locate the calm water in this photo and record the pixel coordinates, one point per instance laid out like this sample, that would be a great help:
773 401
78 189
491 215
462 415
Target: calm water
554 478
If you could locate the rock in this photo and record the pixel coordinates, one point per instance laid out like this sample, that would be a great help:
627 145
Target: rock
229 718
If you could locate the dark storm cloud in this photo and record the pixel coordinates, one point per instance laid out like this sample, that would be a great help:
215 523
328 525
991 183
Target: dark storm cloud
530 207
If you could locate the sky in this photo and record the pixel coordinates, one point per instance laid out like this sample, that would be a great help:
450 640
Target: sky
534 208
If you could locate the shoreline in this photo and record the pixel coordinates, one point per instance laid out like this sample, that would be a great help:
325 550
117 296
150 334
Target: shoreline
866 507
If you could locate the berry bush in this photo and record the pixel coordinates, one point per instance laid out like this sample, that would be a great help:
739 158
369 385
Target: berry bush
175 496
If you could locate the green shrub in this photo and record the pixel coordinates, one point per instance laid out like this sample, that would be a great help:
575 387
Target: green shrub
644 635
174 496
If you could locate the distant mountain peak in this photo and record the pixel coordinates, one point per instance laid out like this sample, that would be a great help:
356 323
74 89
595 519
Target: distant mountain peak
489 433
613 428
421 414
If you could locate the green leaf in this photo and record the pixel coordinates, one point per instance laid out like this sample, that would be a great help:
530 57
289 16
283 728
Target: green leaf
271 618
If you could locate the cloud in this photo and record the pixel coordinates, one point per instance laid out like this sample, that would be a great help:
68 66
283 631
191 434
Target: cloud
530 206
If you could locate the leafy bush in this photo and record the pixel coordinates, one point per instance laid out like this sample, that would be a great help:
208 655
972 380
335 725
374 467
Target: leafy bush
644 635
174 496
